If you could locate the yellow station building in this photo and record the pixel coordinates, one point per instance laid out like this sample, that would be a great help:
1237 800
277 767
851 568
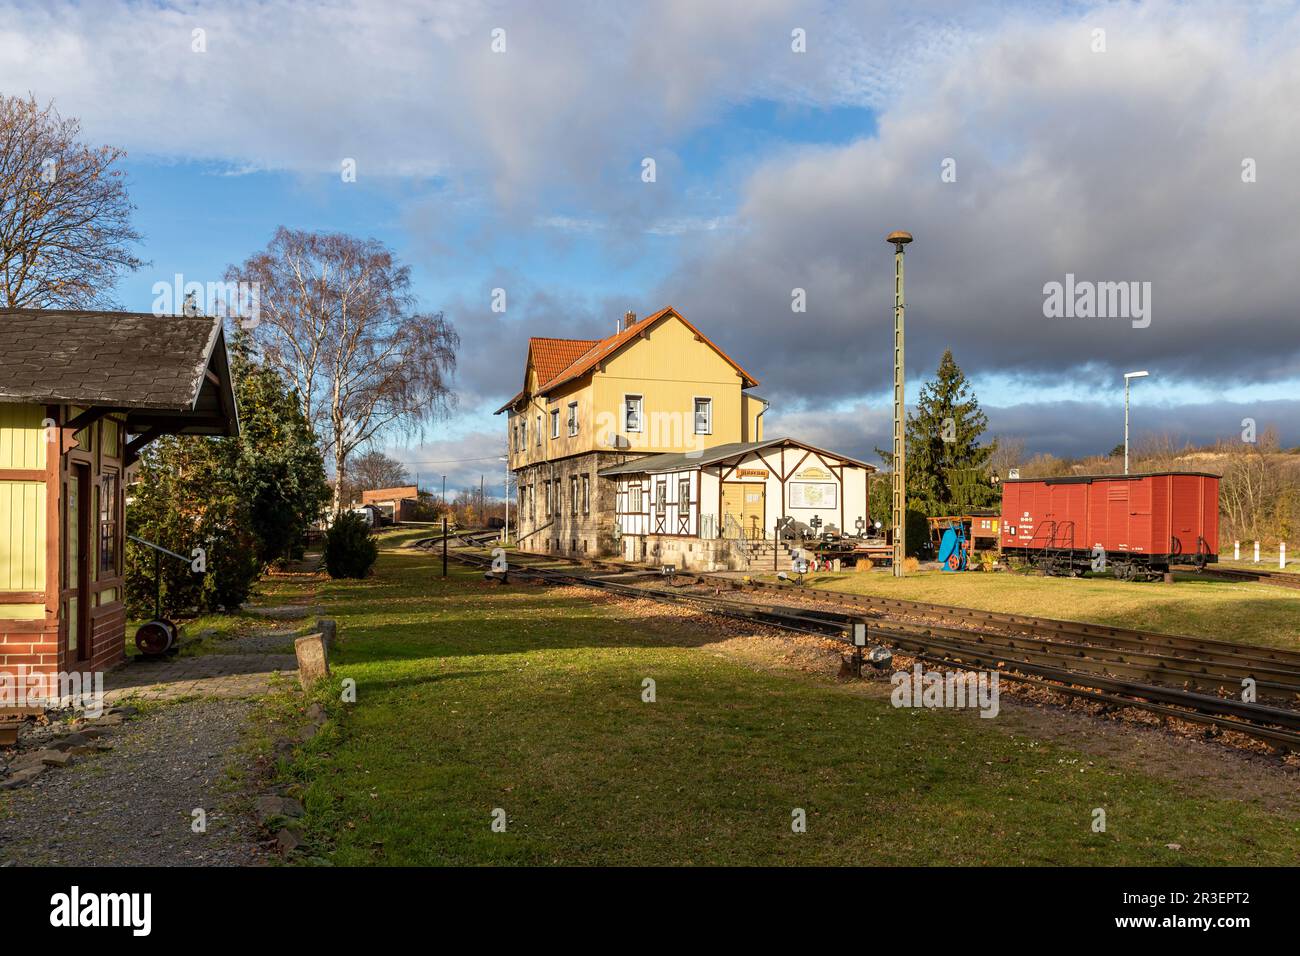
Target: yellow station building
649 444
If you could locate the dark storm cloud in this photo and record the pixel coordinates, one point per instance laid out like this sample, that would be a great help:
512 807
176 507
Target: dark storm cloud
1067 429
1116 166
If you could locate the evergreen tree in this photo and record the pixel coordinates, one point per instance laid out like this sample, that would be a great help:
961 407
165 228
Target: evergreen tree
243 501
947 468
281 470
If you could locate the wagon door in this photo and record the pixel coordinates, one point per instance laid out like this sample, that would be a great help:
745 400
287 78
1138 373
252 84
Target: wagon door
1139 516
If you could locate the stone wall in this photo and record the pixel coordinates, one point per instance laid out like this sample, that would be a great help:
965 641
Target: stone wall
589 532
692 554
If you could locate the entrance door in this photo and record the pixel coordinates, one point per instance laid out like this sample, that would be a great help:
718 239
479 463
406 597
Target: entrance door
78 541
746 503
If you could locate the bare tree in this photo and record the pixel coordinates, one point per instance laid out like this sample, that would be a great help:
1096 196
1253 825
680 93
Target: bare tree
1008 453
65 218
373 469
337 318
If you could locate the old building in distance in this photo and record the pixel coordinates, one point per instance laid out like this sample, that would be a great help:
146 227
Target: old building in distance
649 444
81 394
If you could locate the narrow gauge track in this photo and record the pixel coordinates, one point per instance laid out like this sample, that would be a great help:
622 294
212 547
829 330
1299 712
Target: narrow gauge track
1061 666
1280 578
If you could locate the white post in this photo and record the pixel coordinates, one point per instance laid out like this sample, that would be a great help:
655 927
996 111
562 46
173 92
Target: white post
1257 552
1281 557
1236 550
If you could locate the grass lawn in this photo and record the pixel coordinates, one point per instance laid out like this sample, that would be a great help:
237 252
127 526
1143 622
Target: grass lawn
472 697
1225 610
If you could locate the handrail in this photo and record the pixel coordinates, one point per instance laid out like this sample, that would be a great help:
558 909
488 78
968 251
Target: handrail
158 547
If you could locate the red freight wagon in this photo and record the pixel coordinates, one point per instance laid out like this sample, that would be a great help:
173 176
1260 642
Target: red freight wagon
1138 525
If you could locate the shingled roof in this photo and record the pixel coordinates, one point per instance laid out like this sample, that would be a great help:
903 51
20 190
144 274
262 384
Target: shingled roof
169 371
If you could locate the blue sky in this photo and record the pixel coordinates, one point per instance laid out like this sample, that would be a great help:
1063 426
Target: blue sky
776 170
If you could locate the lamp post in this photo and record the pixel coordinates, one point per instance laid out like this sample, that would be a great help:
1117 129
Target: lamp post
899 240
505 532
1128 376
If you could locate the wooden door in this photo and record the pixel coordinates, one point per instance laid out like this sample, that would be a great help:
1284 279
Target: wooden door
77 536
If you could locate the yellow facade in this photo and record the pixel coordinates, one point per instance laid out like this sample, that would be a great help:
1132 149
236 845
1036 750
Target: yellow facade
22 508
668 367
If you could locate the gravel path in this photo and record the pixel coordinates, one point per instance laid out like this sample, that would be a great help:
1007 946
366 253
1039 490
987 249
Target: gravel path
133 805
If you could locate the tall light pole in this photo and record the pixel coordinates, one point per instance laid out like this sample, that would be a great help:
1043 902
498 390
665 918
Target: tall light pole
1128 376
505 532
899 240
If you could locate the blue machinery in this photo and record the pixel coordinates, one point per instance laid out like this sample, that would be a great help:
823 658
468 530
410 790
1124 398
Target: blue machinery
954 547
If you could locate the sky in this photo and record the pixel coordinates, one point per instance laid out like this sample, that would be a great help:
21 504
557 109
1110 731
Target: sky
503 145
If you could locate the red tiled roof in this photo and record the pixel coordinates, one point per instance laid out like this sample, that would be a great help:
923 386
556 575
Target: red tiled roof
562 360
552 356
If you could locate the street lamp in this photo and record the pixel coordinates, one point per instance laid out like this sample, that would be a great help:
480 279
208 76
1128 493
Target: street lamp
505 532
1127 377
899 239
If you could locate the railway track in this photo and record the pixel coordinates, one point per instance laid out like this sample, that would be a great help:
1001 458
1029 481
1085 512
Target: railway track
1192 679
1280 578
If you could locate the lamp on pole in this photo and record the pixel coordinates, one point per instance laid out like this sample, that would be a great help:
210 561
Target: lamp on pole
899 240
1129 376
505 531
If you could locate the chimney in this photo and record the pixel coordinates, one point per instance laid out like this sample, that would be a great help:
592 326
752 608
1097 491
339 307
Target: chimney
629 320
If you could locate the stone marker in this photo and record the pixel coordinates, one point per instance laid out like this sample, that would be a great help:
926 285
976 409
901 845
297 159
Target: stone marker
313 659
328 630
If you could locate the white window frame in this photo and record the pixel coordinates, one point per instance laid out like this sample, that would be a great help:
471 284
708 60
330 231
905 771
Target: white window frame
523 433
573 419
555 423
640 413
540 431
634 486
695 419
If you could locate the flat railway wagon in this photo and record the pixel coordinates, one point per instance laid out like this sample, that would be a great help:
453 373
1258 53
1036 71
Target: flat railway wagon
1140 526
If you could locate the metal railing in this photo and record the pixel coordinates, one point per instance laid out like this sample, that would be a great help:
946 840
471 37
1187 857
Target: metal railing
734 532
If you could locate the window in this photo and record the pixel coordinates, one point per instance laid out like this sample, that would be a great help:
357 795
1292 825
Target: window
555 423
573 418
586 495
632 413
573 494
704 416
683 494
532 502
634 498
523 434
539 431
108 563
548 496
661 497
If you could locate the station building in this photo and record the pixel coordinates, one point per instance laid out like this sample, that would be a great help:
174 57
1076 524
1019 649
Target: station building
81 395
649 445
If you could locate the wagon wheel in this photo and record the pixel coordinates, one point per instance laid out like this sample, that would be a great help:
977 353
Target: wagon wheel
954 562
153 639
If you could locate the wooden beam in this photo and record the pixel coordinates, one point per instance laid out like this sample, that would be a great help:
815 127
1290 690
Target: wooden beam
134 446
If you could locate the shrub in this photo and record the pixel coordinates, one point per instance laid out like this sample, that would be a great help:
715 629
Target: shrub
349 550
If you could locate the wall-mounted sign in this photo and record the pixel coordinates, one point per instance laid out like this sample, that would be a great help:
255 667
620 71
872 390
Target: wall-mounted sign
813 494
812 471
751 472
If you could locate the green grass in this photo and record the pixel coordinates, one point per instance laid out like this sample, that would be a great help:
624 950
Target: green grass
472 697
1247 612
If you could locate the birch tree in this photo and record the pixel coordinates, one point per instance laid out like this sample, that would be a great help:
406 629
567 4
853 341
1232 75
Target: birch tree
337 318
